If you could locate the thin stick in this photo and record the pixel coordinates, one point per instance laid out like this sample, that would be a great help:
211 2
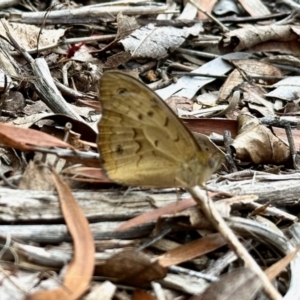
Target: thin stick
208 208
210 16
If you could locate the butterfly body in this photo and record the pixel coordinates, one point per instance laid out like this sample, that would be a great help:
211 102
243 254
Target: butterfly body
142 142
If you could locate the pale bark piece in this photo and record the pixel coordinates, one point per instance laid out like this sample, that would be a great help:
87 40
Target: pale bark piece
245 38
188 13
187 86
15 286
278 192
224 7
5 81
104 291
184 283
254 7
208 99
286 88
99 205
256 143
155 42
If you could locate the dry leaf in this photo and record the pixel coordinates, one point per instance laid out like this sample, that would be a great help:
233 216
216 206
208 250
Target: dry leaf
233 81
117 59
191 250
22 138
176 102
131 266
29 35
255 97
241 283
290 48
276 268
246 67
154 42
126 25
245 38
207 126
37 176
292 107
142 295
89 174
256 143
80 269
87 133
250 67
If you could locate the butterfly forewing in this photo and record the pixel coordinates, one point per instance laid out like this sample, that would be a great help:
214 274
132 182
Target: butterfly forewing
130 98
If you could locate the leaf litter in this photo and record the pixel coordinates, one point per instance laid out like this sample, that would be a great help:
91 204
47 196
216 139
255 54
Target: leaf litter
167 247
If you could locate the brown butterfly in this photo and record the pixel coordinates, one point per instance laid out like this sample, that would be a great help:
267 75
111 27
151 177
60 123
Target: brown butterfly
143 143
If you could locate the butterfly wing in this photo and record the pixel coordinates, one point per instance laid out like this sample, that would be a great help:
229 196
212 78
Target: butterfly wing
128 157
141 141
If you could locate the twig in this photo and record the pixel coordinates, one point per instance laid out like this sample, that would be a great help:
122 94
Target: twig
44 83
99 38
86 13
210 16
201 275
291 142
210 211
229 155
223 76
197 53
